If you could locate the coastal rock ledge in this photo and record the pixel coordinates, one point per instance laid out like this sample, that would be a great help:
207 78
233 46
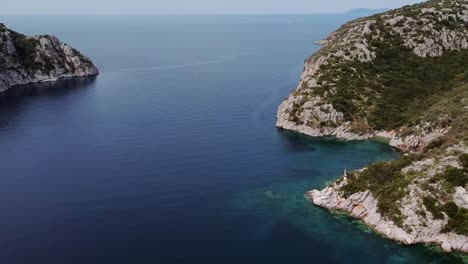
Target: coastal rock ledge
42 58
363 206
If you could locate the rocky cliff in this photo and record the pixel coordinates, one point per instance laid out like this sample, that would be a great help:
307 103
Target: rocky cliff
366 79
401 75
41 58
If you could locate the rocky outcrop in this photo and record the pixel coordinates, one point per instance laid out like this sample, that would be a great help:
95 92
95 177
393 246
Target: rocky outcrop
363 205
317 114
416 142
41 58
461 197
418 223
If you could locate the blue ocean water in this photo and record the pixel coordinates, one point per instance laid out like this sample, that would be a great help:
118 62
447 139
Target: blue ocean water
171 154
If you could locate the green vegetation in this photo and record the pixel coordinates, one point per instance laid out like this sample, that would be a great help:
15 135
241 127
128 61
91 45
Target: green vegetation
458 217
464 160
453 177
449 109
456 177
386 183
432 205
458 223
395 88
26 49
389 185
451 209
399 90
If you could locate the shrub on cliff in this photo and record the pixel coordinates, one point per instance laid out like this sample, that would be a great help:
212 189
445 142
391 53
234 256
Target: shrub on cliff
451 209
26 48
456 177
458 223
464 160
432 206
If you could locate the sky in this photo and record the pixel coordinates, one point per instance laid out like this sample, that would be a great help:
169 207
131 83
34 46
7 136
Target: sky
45 7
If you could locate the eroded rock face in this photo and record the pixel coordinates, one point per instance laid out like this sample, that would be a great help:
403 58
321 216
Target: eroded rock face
316 114
429 32
41 58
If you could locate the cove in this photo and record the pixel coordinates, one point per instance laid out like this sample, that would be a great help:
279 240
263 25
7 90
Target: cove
152 162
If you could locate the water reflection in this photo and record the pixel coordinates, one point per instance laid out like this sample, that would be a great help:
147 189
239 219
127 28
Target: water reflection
57 88
14 102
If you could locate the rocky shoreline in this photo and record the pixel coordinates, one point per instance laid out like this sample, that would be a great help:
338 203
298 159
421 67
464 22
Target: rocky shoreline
410 143
364 206
42 58
319 107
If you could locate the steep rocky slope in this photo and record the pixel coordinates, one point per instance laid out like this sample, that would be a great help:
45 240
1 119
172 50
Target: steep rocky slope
41 58
372 75
401 75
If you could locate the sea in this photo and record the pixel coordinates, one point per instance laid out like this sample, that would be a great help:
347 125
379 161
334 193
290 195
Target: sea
171 154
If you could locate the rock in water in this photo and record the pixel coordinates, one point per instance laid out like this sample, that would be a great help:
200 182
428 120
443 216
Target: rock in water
30 59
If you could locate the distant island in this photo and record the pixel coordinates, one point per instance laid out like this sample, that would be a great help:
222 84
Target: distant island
366 11
40 58
401 76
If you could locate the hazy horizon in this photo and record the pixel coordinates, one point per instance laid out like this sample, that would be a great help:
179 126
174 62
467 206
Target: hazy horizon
190 7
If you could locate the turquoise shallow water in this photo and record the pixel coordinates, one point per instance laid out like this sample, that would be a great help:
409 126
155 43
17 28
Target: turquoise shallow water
171 154
288 215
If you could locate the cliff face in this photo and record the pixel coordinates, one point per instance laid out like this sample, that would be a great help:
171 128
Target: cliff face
350 90
401 75
41 58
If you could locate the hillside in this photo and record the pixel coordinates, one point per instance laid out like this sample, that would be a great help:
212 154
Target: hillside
40 58
365 11
400 75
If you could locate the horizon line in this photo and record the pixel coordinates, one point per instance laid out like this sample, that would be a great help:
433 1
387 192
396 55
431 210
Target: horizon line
185 14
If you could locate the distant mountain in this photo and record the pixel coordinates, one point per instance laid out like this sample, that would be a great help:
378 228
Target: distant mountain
366 11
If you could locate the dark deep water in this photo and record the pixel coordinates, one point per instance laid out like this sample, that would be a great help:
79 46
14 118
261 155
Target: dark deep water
171 154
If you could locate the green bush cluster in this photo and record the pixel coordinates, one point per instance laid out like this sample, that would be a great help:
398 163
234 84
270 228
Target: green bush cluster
432 206
458 217
458 223
26 49
451 209
456 177
464 160
386 183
